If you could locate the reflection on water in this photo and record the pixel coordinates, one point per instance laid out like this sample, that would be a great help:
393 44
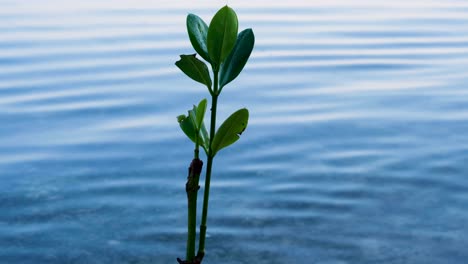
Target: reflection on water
355 153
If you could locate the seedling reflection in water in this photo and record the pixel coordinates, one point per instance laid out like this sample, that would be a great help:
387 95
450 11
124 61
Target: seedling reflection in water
227 52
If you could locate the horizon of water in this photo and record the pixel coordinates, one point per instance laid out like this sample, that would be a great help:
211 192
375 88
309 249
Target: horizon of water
356 149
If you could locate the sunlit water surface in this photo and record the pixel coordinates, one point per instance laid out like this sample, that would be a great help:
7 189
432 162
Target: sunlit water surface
356 151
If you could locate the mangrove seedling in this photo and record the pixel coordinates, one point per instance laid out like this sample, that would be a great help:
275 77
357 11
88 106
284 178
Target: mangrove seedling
227 52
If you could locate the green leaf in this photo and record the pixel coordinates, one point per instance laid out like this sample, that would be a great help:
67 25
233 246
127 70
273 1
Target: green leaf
193 125
230 130
198 31
197 114
205 137
238 57
200 112
193 117
222 35
200 125
188 127
195 69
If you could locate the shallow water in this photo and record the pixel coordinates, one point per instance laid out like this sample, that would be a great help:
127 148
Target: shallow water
356 151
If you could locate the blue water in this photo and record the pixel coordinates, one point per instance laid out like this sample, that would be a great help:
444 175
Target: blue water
356 150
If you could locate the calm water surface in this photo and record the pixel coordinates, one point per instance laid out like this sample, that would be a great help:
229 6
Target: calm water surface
356 151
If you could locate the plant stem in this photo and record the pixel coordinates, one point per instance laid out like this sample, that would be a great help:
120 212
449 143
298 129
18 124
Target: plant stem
214 104
192 193
192 218
196 151
201 245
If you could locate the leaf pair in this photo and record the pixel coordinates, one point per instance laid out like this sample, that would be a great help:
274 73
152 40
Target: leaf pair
214 43
219 45
228 133
193 125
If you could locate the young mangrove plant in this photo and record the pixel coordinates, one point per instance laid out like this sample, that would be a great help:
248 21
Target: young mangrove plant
227 52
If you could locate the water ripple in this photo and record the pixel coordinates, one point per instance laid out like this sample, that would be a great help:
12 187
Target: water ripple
355 151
